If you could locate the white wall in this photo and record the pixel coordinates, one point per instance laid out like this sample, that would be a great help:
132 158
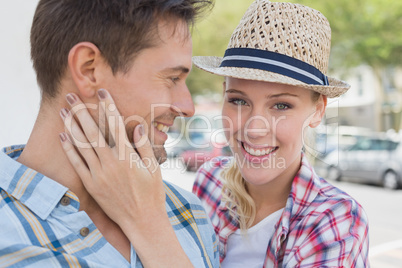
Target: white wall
19 92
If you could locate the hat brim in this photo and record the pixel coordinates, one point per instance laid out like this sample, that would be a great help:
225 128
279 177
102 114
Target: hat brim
211 64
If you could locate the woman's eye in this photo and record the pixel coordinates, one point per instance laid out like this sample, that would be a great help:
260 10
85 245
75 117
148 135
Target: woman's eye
238 101
281 106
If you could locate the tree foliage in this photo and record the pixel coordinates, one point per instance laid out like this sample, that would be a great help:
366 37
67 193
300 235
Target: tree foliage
363 31
210 38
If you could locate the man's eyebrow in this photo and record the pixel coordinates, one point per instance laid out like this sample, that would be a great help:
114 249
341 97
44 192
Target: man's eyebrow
180 69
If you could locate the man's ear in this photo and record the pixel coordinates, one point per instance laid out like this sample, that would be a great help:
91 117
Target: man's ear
320 108
84 62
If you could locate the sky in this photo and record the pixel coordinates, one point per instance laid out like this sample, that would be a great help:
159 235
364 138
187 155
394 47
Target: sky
18 87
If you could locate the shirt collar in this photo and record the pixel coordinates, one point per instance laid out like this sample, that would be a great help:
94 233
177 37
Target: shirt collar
36 191
305 188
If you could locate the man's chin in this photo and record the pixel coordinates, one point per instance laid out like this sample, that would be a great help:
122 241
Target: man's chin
160 155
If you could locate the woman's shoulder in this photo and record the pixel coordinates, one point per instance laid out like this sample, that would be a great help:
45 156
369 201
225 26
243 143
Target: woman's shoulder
216 163
211 171
333 223
314 200
208 181
335 196
312 194
333 207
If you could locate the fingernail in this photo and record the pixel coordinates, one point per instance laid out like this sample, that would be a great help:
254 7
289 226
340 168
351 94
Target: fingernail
63 137
102 94
64 113
71 99
141 130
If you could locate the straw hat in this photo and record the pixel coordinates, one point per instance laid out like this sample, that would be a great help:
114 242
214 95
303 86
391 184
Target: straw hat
279 42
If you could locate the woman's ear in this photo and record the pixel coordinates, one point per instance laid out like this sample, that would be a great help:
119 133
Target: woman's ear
320 107
84 60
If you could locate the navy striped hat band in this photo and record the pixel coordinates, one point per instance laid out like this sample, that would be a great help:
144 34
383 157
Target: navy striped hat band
274 62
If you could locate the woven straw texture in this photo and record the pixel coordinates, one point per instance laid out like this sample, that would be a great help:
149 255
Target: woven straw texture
286 28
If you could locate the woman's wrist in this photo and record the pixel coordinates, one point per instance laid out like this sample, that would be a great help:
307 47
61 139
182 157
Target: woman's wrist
157 238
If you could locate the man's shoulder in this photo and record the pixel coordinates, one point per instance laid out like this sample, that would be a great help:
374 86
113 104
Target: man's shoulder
177 193
184 205
185 209
8 159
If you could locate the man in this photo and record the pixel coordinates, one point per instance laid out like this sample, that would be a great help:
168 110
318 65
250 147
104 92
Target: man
141 52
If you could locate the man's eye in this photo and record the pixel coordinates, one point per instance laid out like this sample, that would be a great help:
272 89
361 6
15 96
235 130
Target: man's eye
175 79
237 101
281 106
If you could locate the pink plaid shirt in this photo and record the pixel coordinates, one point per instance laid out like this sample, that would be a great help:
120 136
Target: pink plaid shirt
321 226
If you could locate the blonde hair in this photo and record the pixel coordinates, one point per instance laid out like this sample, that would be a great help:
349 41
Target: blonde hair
309 138
240 204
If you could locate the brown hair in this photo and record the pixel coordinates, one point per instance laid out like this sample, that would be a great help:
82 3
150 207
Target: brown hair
120 29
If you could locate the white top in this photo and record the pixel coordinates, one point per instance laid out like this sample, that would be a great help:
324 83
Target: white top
249 249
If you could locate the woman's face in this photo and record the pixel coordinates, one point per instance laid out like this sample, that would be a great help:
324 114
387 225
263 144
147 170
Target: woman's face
264 124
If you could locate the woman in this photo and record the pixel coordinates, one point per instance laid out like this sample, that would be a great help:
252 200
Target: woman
267 205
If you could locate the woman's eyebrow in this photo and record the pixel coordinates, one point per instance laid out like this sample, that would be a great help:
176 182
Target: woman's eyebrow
286 94
236 91
281 95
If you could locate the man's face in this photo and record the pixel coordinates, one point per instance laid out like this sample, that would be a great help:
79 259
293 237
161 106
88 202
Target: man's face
153 92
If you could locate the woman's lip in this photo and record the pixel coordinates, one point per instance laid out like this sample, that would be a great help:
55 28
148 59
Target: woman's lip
254 158
256 146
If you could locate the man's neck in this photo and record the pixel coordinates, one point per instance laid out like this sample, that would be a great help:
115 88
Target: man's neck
44 153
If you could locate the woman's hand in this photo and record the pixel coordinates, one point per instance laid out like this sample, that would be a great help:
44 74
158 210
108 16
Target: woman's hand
131 184
127 185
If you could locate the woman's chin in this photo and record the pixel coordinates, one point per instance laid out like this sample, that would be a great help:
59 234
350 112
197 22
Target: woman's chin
257 176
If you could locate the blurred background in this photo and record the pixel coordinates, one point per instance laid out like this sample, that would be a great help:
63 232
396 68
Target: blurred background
357 147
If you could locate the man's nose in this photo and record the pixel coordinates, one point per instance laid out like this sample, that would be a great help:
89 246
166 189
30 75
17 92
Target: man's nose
182 102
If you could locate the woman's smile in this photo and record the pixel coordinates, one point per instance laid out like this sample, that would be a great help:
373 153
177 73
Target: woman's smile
257 153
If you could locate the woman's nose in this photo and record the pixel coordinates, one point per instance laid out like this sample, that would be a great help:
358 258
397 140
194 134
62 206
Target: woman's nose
257 126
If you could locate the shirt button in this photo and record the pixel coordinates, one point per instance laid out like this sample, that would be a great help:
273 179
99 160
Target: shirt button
65 201
84 231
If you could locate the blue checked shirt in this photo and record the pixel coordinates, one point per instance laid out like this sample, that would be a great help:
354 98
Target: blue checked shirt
41 225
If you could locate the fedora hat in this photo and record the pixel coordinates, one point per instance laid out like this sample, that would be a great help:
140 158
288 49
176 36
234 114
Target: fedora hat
279 42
